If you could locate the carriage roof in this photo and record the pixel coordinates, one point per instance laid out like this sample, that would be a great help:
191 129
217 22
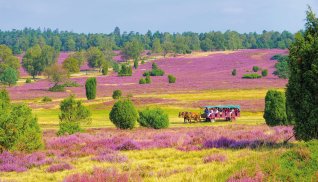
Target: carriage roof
223 107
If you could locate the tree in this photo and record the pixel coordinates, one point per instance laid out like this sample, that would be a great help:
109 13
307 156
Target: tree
132 50
4 100
125 70
71 65
19 129
282 68
117 94
234 72
70 44
302 85
275 108
123 114
156 46
7 59
264 73
135 64
36 59
90 87
9 76
95 57
171 79
72 114
105 68
148 79
79 56
167 47
153 118
56 74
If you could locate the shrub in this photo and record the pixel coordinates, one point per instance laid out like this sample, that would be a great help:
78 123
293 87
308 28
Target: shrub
136 64
157 72
154 66
282 68
125 70
105 69
117 94
147 79
4 100
234 72
142 81
46 99
171 79
275 108
28 80
252 76
57 88
90 87
71 84
72 114
143 62
276 57
19 129
264 72
123 114
116 67
146 73
153 118
255 68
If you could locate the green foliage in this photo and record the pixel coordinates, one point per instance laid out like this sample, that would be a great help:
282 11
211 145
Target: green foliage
123 114
105 69
125 70
171 79
234 72
28 80
90 87
302 85
153 118
282 68
9 76
117 94
95 57
277 57
252 76
46 99
72 114
142 81
56 74
71 84
4 100
275 108
132 49
135 64
19 129
57 88
156 46
8 60
155 72
255 68
142 61
71 65
154 66
148 79
116 67
37 58
79 56
264 73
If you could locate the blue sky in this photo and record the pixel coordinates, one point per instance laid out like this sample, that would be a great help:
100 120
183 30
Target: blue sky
101 16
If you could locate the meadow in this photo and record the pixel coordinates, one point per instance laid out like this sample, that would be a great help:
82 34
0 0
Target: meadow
242 150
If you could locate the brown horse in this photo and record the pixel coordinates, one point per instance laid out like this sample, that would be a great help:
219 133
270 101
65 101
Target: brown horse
189 116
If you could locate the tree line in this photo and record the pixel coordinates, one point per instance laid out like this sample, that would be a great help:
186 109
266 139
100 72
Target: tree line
21 40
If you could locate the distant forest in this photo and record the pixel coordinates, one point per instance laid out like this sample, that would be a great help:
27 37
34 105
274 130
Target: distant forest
181 43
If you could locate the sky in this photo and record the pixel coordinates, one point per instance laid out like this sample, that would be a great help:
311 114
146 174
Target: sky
102 16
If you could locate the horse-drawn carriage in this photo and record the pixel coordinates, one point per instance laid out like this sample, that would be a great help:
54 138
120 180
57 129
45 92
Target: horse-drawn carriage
212 113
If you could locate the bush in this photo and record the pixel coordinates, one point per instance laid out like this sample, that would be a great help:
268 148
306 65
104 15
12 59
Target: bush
90 87
147 79
4 100
153 118
146 73
117 94
252 76
28 80
105 69
276 57
142 81
234 72
282 68
116 67
57 88
72 114
46 99
264 73
19 129
275 108
136 64
71 84
123 114
154 66
157 72
143 62
171 79
255 68
125 70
